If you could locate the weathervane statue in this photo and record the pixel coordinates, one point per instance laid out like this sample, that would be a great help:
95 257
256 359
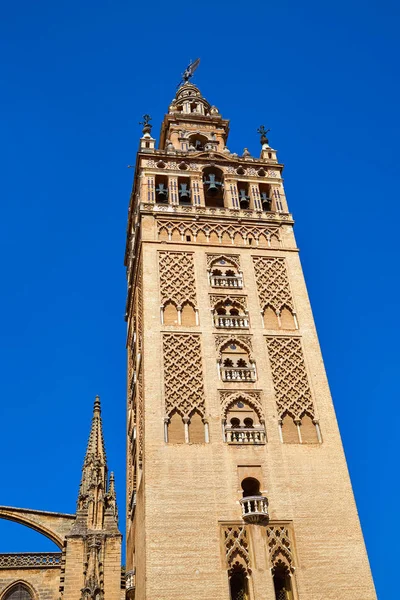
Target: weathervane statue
188 72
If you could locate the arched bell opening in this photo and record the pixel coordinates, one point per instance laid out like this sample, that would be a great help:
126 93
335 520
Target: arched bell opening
265 196
213 182
184 192
197 142
244 194
161 182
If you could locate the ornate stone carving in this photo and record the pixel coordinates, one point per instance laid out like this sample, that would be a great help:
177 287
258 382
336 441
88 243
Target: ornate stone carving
183 374
272 282
279 545
240 300
289 374
238 234
233 259
177 278
236 544
244 340
253 397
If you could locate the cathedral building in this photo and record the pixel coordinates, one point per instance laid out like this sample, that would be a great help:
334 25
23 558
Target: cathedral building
237 483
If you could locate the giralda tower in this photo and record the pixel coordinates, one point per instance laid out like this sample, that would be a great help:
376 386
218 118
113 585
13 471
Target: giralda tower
237 484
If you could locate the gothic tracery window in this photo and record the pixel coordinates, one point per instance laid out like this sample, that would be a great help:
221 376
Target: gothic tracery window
19 591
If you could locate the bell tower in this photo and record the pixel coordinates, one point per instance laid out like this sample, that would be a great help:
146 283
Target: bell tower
237 484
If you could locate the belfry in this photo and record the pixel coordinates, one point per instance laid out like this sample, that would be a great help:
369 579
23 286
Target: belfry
237 484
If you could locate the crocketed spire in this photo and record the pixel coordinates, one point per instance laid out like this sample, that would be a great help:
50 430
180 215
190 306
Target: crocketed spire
94 493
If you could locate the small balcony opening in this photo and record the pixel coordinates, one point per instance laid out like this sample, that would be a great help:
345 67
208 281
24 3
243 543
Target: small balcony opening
254 505
243 423
236 365
250 487
244 196
161 189
224 274
230 315
184 191
213 187
265 195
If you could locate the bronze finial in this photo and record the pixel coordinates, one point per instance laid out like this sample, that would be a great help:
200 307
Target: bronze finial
188 73
146 124
263 133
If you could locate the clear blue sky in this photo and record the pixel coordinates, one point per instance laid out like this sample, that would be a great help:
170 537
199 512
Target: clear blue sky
76 78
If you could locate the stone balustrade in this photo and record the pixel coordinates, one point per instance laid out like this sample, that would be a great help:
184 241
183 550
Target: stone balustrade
130 581
255 509
226 281
238 374
228 322
245 435
29 560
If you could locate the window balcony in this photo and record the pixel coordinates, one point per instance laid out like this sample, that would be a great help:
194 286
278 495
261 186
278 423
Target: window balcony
238 374
130 584
226 281
255 509
244 435
232 321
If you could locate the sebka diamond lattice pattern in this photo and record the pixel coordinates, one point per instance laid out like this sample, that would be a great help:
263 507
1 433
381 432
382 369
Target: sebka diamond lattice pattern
292 389
236 545
280 550
183 374
177 279
272 282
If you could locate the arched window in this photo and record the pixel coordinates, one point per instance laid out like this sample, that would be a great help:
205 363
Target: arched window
236 364
224 273
19 591
250 487
197 142
238 583
213 182
230 314
282 582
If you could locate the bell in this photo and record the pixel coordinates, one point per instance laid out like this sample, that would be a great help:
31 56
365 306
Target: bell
184 193
243 199
213 185
161 192
266 202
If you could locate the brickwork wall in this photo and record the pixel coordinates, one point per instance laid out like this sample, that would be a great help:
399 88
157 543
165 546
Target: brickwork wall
189 489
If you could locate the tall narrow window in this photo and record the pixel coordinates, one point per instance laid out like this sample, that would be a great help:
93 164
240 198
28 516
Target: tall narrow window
238 584
282 583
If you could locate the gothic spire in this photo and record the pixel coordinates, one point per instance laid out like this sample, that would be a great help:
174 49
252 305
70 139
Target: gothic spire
93 487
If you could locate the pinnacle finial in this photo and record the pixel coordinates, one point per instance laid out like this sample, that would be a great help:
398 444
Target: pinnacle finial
263 133
97 405
146 124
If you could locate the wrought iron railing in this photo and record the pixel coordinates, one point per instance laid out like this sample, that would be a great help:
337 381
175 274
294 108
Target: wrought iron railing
21 560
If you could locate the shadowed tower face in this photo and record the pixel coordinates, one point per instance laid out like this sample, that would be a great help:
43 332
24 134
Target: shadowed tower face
237 485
